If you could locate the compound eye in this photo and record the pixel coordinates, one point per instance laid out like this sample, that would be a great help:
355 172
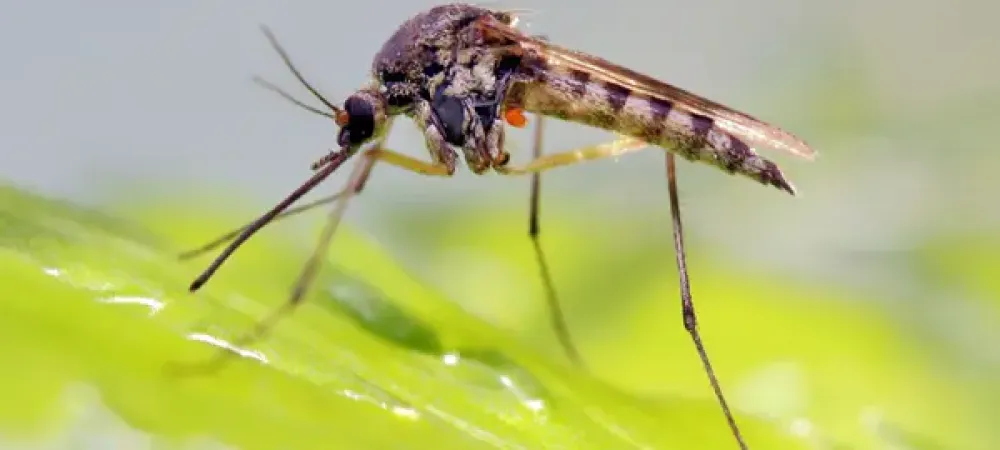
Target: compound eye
359 125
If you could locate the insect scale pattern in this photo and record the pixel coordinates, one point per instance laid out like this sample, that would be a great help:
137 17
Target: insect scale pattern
458 70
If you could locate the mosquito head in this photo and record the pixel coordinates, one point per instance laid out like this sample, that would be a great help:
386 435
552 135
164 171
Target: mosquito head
362 118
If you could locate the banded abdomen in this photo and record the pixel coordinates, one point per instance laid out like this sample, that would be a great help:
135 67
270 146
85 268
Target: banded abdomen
572 95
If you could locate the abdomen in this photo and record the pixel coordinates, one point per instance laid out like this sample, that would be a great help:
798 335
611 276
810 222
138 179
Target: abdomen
571 95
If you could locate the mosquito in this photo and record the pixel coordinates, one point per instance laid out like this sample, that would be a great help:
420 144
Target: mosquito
460 72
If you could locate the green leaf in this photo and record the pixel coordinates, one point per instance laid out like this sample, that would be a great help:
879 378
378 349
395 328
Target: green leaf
824 358
94 310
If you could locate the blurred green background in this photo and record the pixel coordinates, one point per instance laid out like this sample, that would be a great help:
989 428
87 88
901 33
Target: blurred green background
862 315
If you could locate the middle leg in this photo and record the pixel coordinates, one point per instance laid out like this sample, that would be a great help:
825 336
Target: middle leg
556 315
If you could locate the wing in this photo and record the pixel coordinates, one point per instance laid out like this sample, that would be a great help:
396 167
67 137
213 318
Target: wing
743 126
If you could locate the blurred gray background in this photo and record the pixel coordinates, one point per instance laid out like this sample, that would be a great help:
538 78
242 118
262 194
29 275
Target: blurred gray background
96 93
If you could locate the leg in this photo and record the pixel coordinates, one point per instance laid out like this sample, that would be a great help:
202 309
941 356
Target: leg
235 233
498 156
687 305
610 149
336 159
555 311
539 164
440 151
215 243
354 186
616 148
